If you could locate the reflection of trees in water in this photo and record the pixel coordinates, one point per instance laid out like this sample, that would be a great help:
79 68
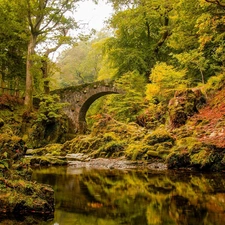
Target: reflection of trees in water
184 213
144 198
172 198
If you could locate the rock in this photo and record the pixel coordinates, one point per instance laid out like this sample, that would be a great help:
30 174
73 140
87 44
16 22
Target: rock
21 197
77 156
183 105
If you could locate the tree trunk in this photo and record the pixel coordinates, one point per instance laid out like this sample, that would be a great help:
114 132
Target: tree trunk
29 74
44 70
2 80
202 75
45 67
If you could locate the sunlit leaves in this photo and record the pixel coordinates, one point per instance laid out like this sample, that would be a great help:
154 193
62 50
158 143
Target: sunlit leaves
164 80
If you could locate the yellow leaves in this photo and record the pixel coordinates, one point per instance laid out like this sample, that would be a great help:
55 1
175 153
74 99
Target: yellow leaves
202 3
106 72
209 29
203 40
164 78
220 50
152 90
166 73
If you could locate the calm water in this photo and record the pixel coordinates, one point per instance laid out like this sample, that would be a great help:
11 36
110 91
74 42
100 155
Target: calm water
114 197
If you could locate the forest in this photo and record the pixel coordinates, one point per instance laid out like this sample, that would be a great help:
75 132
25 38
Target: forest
167 56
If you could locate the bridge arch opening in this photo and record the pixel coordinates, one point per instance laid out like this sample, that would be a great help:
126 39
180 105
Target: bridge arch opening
86 105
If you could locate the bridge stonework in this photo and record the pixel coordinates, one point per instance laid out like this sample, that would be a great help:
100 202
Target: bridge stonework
80 98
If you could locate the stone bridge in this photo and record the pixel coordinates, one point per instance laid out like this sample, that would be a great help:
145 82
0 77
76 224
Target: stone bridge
80 99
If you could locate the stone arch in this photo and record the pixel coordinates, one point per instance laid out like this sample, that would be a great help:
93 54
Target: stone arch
80 98
84 108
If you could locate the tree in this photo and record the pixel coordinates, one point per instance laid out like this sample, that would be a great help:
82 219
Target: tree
62 38
13 41
82 62
45 19
197 39
141 32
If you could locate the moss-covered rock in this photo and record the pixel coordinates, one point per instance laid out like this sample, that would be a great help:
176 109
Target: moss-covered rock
178 160
41 133
20 197
189 152
160 135
50 149
12 149
184 104
47 161
107 145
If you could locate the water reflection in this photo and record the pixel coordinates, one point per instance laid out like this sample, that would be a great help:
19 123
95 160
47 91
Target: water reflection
112 197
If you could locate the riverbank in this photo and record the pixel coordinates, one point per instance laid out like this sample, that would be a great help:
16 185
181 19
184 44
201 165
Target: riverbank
119 163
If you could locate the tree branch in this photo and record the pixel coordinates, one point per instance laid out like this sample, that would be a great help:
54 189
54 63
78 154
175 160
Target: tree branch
164 36
29 16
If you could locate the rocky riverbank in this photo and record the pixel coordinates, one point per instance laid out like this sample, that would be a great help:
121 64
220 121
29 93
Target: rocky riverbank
82 161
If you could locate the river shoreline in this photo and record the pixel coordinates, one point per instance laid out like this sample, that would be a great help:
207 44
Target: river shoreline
112 163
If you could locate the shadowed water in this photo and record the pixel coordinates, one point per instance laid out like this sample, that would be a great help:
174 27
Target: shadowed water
108 197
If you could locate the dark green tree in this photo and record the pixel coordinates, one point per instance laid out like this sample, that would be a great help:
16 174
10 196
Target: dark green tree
13 42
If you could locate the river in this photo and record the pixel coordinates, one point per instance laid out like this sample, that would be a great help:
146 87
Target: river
134 197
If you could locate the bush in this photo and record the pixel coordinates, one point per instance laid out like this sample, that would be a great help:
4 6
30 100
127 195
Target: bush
49 108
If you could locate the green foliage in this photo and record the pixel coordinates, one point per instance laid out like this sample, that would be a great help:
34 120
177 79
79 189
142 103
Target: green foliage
78 65
140 33
13 40
49 108
127 106
123 107
215 83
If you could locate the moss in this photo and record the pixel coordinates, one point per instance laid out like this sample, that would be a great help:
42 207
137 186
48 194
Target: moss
189 143
158 136
200 159
49 149
111 149
178 160
110 136
189 152
46 161
82 144
135 151
139 151
152 153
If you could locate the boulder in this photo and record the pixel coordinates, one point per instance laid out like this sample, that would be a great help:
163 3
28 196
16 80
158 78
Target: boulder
183 105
